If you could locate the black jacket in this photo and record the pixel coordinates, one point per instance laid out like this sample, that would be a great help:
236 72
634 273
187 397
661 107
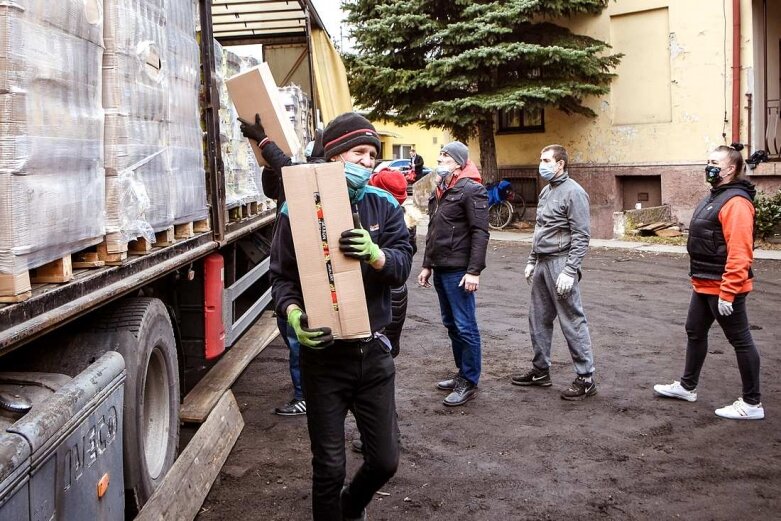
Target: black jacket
706 245
457 235
271 178
380 214
417 165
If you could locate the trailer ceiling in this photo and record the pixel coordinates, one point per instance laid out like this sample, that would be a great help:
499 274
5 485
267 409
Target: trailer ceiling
262 21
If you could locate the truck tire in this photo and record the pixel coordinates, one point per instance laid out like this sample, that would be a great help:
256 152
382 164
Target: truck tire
140 330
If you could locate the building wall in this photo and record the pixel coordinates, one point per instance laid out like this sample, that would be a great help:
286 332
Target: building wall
666 109
667 103
427 142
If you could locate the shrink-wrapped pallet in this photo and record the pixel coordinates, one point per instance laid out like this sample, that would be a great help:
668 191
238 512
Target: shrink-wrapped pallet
135 98
51 158
184 128
242 172
298 106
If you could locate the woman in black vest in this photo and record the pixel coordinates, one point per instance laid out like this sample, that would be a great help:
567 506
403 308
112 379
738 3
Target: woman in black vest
720 246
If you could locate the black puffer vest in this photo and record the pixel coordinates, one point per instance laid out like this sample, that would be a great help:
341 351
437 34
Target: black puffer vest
706 245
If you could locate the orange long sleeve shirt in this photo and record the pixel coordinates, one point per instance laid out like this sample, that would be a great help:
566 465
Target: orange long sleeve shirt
737 223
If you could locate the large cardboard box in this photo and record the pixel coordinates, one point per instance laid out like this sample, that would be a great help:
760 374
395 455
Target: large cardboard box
255 92
332 283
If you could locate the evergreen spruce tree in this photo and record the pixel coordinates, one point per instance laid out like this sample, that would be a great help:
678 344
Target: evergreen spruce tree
455 63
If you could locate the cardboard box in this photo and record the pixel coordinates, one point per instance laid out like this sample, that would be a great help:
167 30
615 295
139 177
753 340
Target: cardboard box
332 283
255 92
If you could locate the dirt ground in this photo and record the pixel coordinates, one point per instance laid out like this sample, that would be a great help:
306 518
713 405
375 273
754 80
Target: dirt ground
525 454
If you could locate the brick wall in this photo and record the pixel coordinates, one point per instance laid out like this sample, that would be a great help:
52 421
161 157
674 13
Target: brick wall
683 185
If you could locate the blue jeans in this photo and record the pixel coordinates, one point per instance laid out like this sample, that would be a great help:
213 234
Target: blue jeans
459 317
291 341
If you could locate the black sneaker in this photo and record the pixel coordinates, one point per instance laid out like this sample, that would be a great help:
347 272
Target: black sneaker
462 393
580 389
292 408
533 376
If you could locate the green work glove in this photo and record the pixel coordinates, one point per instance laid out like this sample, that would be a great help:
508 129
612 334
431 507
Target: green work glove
316 338
357 243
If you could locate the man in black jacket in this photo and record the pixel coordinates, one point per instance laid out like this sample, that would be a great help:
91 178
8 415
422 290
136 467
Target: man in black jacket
271 180
456 244
416 162
357 375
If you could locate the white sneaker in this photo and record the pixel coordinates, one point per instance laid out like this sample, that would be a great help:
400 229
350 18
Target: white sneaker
741 410
675 390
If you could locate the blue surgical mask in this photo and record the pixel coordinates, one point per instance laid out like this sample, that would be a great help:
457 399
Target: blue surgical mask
442 171
357 179
357 176
547 170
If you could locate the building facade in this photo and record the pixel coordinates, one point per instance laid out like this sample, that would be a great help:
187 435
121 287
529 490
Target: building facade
397 140
695 74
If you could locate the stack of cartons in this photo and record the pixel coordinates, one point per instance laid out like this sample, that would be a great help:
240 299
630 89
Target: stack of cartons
135 98
51 169
242 172
255 170
184 129
298 106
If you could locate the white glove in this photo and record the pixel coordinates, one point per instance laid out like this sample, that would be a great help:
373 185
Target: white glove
564 284
529 273
725 308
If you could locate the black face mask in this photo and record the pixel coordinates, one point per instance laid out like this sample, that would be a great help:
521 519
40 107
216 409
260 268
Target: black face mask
712 175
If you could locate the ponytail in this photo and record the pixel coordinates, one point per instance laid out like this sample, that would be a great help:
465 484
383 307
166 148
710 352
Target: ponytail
735 158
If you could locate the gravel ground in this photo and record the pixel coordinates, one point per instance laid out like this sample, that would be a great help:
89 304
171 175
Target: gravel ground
518 453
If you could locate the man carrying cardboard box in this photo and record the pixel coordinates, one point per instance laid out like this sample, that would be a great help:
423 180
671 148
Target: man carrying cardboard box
356 374
271 179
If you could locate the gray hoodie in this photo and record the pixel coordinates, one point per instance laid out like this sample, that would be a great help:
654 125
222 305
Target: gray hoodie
562 226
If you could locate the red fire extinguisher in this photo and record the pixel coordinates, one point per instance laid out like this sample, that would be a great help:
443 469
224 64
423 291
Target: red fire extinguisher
213 285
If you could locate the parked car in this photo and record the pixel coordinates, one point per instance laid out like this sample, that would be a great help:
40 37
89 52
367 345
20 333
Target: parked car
403 165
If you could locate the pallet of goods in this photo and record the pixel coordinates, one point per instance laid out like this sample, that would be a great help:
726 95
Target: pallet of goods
52 180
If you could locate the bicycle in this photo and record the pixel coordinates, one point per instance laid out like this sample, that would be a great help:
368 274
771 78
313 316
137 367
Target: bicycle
501 209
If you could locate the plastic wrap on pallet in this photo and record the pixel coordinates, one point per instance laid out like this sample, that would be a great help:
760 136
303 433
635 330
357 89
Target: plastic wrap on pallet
184 116
135 97
242 172
298 106
51 175
128 200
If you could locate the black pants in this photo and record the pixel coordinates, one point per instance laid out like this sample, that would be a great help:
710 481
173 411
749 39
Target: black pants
703 310
356 376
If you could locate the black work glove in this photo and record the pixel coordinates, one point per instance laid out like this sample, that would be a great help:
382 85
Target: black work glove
251 131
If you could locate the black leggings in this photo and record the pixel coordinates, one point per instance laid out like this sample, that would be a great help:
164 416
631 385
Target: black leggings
703 310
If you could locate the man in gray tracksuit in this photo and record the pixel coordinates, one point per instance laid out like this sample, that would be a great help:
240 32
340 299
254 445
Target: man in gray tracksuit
561 236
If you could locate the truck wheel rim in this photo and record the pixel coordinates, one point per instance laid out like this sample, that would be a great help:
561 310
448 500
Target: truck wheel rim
156 414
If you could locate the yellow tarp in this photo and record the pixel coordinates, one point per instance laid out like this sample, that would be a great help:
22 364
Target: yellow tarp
333 93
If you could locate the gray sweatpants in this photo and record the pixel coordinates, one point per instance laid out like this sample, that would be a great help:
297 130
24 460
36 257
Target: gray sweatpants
546 305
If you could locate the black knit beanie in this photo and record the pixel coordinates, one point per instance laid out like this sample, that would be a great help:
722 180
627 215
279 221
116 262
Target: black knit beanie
346 131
